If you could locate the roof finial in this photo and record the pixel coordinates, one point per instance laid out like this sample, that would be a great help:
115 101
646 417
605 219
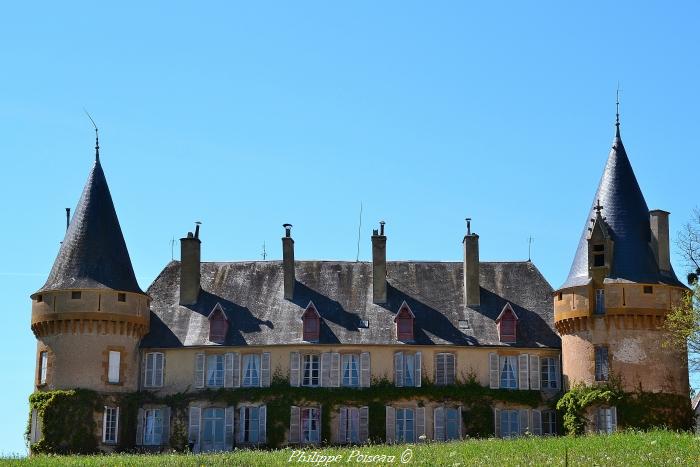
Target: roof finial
617 111
97 138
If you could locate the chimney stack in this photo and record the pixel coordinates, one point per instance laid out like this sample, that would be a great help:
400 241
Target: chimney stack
379 265
190 258
660 239
471 267
288 262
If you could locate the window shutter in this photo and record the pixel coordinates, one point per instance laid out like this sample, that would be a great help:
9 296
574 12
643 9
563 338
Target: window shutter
160 369
419 368
228 370
318 421
262 424
236 370
228 430
240 426
535 372
294 432
342 424
139 426
440 368
390 424
199 371
165 435
613 418
114 364
496 422
193 432
420 423
116 427
460 422
536 423
365 371
294 369
335 369
451 368
144 364
33 426
265 370
523 376
439 424
398 369
494 376
524 421
557 372
364 424
325 369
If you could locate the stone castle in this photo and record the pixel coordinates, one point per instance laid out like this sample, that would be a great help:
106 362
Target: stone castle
257 353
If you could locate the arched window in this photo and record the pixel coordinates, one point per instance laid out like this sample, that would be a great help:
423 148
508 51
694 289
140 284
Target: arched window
507 323
404 323
311 323
218 325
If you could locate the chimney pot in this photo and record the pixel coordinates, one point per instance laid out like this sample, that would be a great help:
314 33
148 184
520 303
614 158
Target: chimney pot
287 230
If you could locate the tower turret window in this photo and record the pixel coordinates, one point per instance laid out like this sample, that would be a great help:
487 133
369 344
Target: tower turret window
600 302
602 370
39 298
598 255
121 297
648 289
76 295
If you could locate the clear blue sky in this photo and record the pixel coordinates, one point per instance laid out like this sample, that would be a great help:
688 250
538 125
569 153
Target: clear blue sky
249 116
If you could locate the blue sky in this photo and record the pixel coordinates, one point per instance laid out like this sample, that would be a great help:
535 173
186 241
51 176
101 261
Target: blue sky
246 116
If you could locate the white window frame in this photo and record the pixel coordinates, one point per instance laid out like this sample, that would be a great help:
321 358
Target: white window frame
311 370
43 364
548 371
214 371
310 425
405 425
441 361
153 376
114 362
153 427
351 370
504 381
251 379
510 423
110 425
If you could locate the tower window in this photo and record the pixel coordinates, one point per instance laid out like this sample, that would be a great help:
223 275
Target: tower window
560 296
121 297
113 372
648 289
600 302
76 295
43 365
39 298
602 369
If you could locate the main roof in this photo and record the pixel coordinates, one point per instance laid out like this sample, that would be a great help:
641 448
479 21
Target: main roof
93 254
252 296
627 218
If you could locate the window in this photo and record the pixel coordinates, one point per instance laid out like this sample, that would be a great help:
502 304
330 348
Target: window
215 370
405 428
213 429
153 427
507 323
606 420
509 371
153 376
43 364
311 366
600 301
121 297
110 425
409 370
218 325
452 423
548 370
35 427
75 295
351 370
251 370
560 296
601 363
114 363
39 298
404 323
444 369
510 423
310 425
250 424
549 422
648 289
598 255
349 425
311 323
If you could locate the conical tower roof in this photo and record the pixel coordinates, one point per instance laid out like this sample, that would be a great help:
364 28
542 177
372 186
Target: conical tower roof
93 254
627 218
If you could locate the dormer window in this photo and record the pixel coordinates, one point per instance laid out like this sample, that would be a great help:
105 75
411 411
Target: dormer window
598 255
507 323
218 325
404 323
311 323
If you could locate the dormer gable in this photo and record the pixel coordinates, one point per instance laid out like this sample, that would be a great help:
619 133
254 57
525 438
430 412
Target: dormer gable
311 323
218 324
507 323
404 320
600 246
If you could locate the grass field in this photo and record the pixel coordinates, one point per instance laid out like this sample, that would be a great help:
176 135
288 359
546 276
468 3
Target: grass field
623 449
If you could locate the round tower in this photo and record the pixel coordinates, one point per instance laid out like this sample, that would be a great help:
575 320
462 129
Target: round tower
611 308
90 314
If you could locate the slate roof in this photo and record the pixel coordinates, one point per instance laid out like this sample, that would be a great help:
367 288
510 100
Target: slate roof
251 294
627 218
93 254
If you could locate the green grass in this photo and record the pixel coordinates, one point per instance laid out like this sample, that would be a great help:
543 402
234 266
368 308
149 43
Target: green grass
623 449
